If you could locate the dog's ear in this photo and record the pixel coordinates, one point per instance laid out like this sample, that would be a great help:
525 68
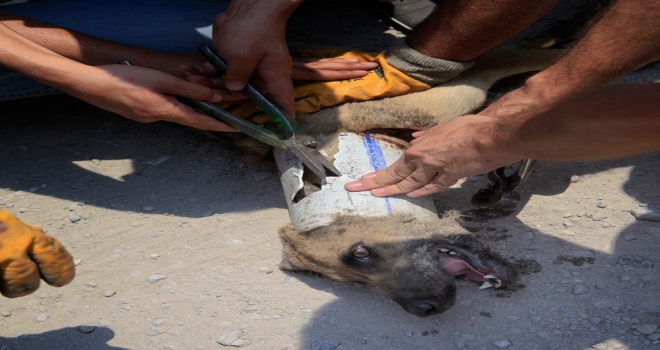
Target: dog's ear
289 252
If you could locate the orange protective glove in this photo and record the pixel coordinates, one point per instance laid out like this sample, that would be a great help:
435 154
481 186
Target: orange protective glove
384 81
402 71
26 255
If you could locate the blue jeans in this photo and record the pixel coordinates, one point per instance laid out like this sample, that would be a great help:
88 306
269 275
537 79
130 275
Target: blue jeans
165 25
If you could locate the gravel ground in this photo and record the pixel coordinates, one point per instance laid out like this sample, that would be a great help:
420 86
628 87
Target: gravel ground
175 241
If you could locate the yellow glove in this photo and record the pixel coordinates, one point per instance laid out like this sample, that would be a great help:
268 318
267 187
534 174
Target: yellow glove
26 254
402 71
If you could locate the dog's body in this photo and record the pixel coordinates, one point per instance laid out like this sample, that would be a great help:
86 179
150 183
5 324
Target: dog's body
414 261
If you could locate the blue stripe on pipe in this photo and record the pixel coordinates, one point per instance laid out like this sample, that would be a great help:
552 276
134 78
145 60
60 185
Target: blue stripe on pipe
377 160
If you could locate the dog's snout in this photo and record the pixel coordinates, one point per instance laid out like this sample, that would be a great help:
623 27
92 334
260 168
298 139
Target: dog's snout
422 309
425 308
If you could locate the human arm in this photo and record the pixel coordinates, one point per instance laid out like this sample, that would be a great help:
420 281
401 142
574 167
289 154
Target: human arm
625 38
250 35
76 64
613 122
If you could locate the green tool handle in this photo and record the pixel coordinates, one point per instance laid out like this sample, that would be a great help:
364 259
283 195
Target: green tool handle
280 117
258 132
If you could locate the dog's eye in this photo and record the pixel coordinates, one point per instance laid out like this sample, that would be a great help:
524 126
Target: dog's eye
360 252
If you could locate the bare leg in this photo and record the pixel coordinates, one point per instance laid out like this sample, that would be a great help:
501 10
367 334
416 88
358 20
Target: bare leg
460 30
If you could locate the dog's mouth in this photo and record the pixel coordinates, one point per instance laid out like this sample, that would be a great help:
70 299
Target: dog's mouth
459 264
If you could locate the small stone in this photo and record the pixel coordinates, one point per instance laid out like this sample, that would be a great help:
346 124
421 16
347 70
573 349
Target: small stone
647 329
598 217
228 338
644 213
5 313
74 217
149 208
42 318
502 344
77 262
568 224
259 176
326 344
561 289
153 331
158 160
635 261
602 205
527 235
154 256
654 337
91 284
126 307
158 322
629 236
579 289
240 343
87 329
249 310
655 232
625 278
266 270
155 278
108 293
575 179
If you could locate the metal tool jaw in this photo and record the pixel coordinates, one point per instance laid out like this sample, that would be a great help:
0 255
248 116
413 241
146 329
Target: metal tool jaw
499 192
291 135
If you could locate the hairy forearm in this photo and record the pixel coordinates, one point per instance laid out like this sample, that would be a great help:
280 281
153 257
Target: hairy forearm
625 38
461 30
617 121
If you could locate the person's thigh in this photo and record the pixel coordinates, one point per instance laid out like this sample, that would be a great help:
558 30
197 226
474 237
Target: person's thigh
165 25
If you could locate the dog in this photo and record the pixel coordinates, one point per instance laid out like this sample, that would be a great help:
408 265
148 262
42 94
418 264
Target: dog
413 259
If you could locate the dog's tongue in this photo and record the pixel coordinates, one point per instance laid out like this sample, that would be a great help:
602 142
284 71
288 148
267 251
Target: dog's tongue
459 267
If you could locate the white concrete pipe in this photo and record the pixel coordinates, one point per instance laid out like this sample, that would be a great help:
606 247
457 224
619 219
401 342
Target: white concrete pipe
357 154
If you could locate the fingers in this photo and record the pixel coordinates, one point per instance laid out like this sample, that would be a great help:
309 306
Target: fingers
239 72
55 263
403 177
389 181
185 115
330 68
19 278
280 87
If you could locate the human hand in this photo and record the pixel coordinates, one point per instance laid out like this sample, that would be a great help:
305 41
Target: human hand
250 36
26 255
303 69
144 95
386 81
437 158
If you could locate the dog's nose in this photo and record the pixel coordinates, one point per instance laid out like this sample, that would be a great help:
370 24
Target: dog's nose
422 309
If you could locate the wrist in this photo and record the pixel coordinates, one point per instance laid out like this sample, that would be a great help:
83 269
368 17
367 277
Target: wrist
429 70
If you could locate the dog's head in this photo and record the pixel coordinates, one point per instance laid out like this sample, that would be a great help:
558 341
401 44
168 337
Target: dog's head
414 263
